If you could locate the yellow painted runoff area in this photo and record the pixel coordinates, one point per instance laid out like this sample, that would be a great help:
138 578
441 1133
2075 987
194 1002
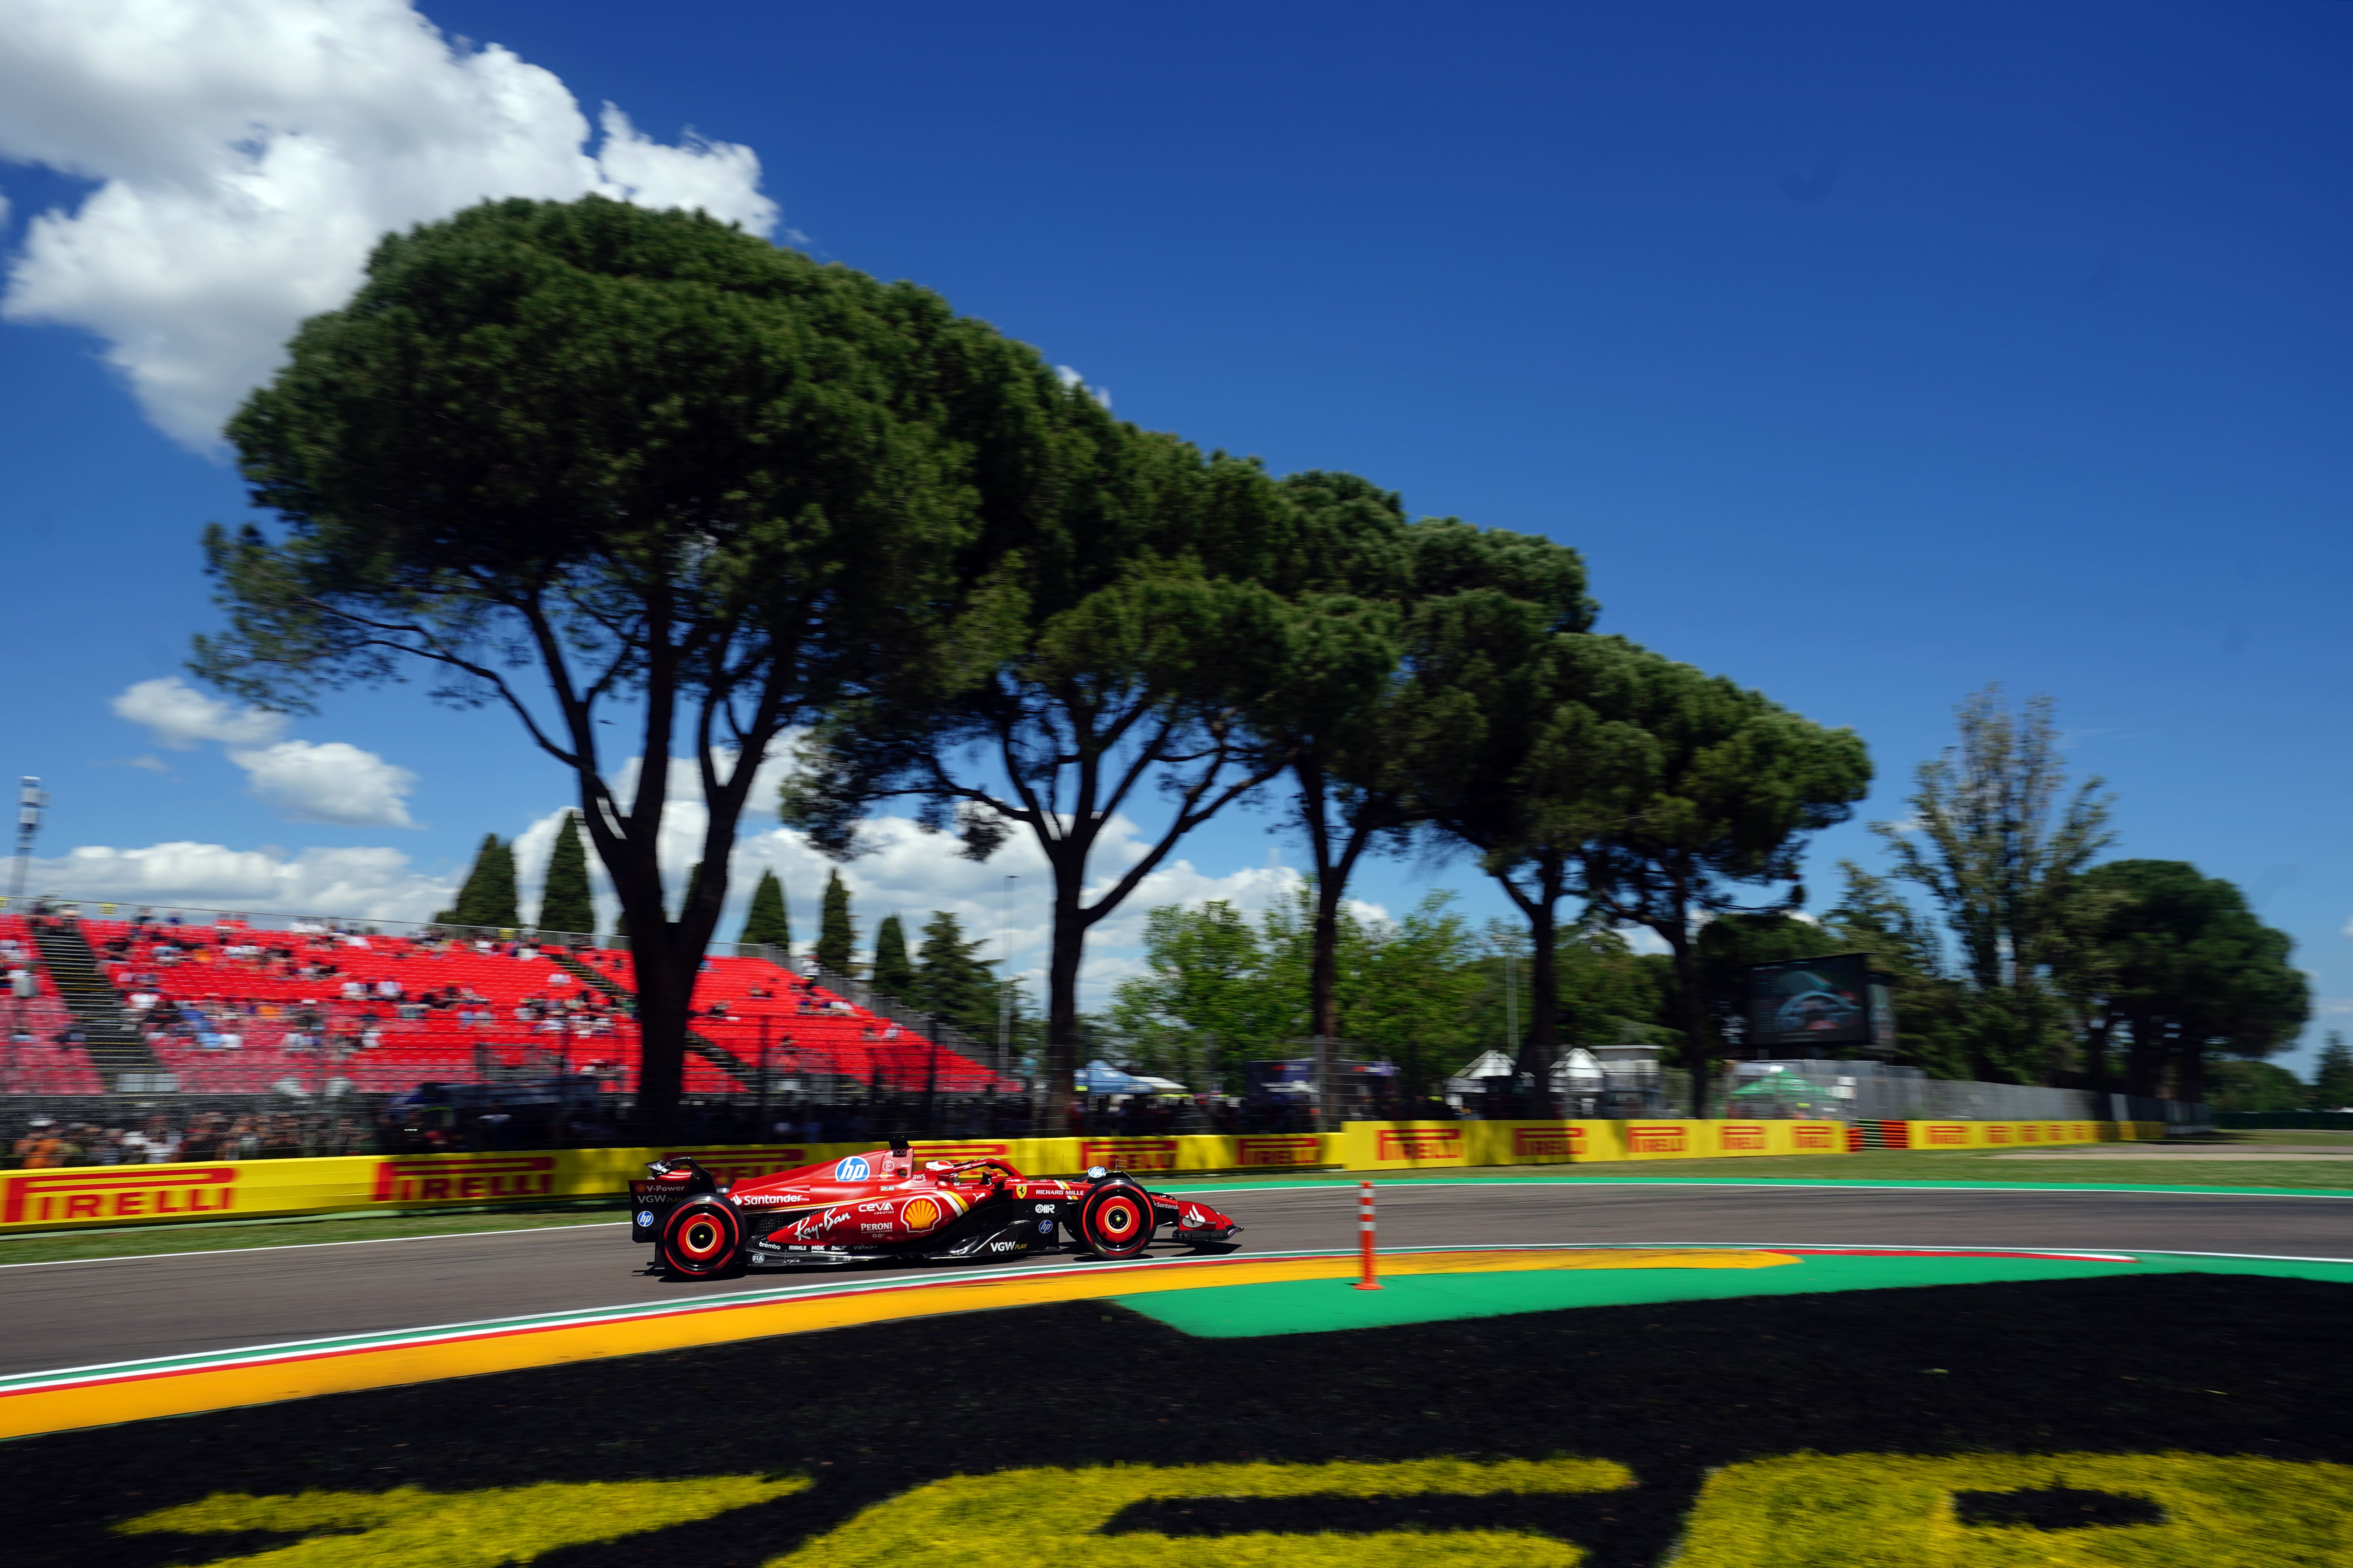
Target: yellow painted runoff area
1048 1517
1815 1511
1795 1511
458 1530
100 1402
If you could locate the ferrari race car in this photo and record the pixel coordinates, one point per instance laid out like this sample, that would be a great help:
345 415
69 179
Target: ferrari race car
879 1205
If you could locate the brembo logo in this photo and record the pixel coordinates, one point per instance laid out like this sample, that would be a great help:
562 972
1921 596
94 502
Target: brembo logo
465 1180
96 1195
1418 1143
1307 1150
1548 1142
1947 1132
1133 1153
1656 1137
1740 1135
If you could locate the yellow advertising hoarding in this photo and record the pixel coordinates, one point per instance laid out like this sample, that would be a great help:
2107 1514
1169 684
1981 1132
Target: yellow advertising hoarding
103 1195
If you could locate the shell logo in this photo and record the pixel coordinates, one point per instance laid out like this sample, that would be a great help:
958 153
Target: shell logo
922 1214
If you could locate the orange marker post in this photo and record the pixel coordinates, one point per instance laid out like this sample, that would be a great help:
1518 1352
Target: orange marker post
1366 1279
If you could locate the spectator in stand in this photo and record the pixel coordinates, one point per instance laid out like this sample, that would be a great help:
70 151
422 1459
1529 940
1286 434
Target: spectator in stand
283 1141
104 1147
202 1140
43 1146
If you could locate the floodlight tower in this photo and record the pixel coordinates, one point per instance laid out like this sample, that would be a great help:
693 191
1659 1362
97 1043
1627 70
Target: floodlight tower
30 798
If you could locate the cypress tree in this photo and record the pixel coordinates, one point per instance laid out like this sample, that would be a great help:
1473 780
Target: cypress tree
952 980
2332 1085
563 901
893 975
835 939
488 898
767 920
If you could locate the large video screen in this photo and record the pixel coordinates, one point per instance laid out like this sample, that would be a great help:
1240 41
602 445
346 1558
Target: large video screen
1799 1006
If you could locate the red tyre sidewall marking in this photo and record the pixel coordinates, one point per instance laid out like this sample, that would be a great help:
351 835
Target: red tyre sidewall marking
1112 1210
711 1229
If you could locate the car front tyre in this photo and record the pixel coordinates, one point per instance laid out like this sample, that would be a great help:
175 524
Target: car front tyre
1116 1221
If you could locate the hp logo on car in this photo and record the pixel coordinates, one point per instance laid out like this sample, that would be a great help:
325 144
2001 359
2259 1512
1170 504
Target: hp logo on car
853 1169
645 1219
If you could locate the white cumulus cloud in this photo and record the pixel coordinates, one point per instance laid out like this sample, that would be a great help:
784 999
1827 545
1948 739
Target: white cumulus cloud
329 781
179 716
306 780
374 884
247 154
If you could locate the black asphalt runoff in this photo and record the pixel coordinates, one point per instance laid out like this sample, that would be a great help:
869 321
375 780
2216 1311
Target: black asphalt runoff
91 1313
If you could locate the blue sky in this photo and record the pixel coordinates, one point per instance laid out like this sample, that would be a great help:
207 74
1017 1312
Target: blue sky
1869 354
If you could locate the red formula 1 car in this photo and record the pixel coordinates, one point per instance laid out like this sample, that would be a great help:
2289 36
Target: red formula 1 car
879 1205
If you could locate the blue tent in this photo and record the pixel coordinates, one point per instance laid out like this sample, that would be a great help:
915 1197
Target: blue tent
1099 1077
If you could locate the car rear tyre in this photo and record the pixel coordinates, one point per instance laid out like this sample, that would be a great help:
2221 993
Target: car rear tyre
1116 1221
702 1239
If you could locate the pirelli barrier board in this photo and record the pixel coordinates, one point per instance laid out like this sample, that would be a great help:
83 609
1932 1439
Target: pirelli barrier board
102 1195
1421 1145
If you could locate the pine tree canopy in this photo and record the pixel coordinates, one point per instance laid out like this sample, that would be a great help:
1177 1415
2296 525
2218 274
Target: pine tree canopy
893 975
767 922
565 904
837 939
488 897
951 980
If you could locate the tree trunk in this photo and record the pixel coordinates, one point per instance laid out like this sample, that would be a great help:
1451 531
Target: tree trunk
1323 943
2190 1069
1539 1046
664 999
1697 1050
2144 1058
2096 1056
1070 943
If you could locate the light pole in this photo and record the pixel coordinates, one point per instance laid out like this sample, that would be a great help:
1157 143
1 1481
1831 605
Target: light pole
30 798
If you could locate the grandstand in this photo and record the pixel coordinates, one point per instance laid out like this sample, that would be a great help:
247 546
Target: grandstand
226 1005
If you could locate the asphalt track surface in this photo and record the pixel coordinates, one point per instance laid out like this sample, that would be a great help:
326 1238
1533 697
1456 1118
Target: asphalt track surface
91 1313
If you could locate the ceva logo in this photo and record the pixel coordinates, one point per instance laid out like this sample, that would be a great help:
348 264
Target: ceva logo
1267 1149
1418 1143
131 1194
854 1168
441 1180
